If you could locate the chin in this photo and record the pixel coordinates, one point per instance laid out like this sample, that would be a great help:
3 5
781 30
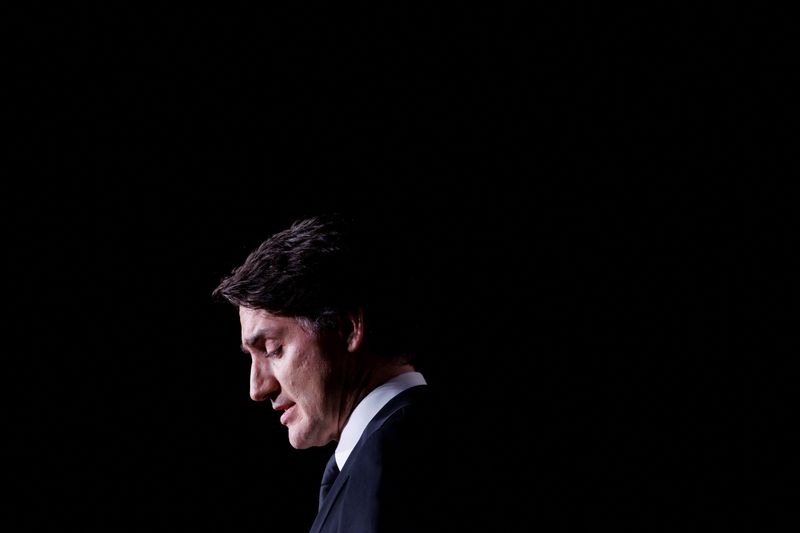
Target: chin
301 441
298 445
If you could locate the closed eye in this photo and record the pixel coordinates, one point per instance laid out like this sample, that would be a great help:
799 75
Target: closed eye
274 353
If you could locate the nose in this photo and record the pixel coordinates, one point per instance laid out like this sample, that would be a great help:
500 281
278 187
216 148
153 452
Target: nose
262 381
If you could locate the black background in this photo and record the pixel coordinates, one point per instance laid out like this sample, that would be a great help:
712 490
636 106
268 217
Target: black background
573 187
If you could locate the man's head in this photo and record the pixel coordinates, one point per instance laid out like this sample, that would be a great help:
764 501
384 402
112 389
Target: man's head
306 374
313 313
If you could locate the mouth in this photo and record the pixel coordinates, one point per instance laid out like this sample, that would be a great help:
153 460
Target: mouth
287 413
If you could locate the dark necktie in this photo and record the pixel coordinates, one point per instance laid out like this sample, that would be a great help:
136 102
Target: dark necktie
328 477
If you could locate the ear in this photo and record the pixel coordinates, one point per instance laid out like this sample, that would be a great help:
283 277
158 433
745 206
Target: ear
356 337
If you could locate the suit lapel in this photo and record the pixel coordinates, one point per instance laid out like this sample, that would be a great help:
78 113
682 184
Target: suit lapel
398 402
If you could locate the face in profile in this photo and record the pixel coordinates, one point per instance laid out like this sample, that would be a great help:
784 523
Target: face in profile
297 371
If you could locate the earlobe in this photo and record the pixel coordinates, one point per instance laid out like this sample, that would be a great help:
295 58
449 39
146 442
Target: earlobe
356 335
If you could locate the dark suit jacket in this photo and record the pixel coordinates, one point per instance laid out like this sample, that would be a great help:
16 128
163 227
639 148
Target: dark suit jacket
397 476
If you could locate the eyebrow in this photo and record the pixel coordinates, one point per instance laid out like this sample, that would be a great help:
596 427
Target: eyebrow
265 333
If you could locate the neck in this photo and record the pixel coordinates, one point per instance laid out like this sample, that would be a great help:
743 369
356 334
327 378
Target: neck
372 378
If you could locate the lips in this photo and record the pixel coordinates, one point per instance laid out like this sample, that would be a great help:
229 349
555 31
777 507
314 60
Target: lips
287 409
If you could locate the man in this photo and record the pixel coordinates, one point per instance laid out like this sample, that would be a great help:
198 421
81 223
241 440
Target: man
330 341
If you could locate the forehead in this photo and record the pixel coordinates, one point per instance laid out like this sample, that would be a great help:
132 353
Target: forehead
247 315
257 323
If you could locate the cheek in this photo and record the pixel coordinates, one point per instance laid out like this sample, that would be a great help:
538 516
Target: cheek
310 383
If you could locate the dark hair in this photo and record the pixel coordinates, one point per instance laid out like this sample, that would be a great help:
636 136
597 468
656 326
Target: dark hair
321 268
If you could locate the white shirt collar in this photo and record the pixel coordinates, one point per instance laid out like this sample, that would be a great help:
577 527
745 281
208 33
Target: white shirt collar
367 408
